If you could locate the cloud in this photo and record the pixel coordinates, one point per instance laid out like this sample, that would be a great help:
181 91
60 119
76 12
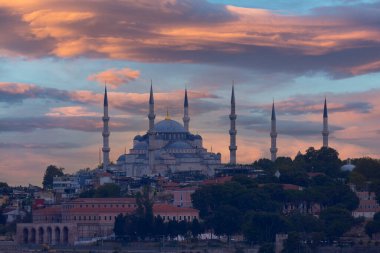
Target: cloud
84 124
339 40
17 92
133 103
71 111
115 77
7 145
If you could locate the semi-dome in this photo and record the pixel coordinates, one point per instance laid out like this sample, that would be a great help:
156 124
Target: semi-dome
122 158
169 126
179 145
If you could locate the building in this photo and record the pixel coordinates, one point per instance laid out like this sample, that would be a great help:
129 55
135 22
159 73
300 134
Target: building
66 186
168 147
83 219
368 205
75 220
182 196
170 212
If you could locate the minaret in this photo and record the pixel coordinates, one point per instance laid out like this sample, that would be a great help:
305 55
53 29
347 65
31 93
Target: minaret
186 118
233 131
151 115
273 135
106 133
325 132
151 133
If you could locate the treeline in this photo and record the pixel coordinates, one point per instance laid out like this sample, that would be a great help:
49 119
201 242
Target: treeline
135 227
142 224
243 206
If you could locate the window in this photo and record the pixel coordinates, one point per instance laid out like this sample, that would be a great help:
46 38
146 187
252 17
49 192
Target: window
94 217
99 218
110 217
89 217
122 205
188 217
105 217
80 217
180 217
80 206
75 218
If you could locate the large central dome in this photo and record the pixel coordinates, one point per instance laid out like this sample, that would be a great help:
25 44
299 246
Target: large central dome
169 126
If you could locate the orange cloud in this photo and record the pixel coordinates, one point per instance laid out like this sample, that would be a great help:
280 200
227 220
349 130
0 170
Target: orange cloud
177 31
115 77
71 111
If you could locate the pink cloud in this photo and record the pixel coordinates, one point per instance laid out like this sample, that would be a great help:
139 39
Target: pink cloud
115 77
191 31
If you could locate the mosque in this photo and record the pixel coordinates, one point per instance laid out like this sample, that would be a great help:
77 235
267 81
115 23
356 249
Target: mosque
169 147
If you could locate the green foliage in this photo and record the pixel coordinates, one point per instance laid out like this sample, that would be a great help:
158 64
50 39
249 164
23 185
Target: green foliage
373 227
51 172
304 223
226 220
105 191
262 227
267 248
336 221
292 244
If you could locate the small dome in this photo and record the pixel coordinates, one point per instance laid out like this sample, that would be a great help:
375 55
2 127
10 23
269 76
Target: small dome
179 145
122 158
198 137
169 126
137 137
348 166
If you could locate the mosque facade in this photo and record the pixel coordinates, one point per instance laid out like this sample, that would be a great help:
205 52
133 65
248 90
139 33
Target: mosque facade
167 147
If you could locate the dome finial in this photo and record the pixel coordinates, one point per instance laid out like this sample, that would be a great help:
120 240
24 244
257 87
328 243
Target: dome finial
167 114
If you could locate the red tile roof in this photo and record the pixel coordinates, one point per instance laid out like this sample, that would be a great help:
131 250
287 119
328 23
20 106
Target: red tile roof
166 208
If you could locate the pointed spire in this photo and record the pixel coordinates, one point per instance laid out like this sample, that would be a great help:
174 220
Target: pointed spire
105 96
151 99
233 93
186 103
167 114
273 112
325 110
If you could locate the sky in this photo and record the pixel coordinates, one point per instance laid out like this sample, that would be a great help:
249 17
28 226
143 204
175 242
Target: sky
55 57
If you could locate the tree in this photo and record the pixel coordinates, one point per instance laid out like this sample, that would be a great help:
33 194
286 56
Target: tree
373 227
196 228
51 172
336 221
120 226
108 191
226 221
292 244
262 227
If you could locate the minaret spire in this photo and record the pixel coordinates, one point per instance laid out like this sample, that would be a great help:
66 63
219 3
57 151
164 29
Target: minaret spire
106 133
186 118
151 115
273 134
151 133
233 131
325 132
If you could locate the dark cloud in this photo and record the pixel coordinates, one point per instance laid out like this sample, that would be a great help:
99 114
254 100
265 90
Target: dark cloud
6 145
299 106
336 40
85 124
17 92
261 124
